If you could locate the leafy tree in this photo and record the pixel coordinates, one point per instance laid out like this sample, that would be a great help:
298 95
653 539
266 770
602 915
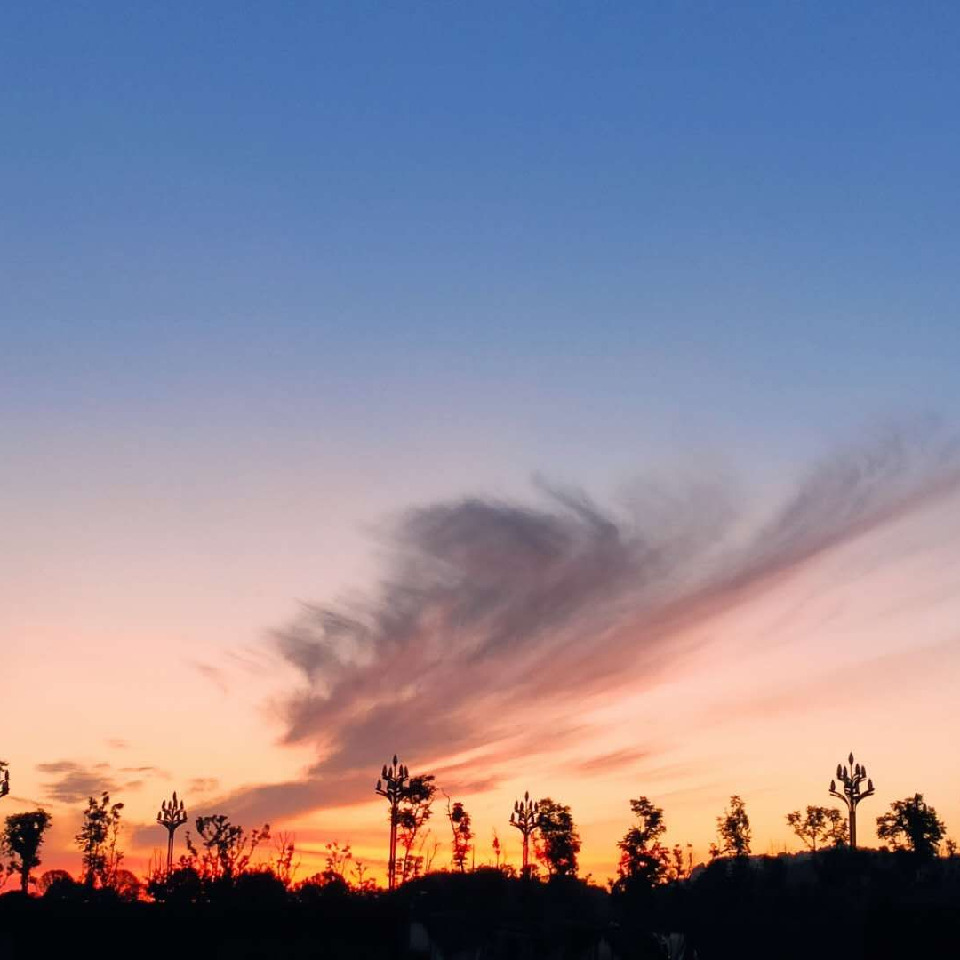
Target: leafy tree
912 825
225 848
58 885
21 840
820 825
733 831
559 840
98 840
642 857
413 812
462 834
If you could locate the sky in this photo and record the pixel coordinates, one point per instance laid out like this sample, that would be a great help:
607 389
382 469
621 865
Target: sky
561 396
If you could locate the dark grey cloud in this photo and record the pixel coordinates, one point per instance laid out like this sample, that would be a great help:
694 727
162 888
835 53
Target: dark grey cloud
489 606
75 782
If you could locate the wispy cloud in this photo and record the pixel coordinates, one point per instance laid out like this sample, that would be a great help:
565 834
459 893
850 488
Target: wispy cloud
74 782
490 606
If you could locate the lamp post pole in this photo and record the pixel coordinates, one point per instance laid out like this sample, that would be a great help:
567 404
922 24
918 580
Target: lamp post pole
524 819
393 783
851 783
172 815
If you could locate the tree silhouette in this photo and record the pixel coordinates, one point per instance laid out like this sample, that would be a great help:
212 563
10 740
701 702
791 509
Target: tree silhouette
733 831
21 840
561 842
336 863
414 811
97 841
642 857
912 825
819 825
4 778
462 834
225 848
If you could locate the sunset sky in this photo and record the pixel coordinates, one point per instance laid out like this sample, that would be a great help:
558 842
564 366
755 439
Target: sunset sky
564 397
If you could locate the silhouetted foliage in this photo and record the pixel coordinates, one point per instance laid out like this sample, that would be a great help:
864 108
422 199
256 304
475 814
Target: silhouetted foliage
21 841
285 852
338 857
912 825
50 879
414 811
181 887
462 832
98 841
4 778
560 842
819 826
733 831
225 848
642 857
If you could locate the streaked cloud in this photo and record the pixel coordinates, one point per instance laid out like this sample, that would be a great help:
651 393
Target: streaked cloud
490 607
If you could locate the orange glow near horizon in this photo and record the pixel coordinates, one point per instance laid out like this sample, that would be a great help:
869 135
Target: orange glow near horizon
855 650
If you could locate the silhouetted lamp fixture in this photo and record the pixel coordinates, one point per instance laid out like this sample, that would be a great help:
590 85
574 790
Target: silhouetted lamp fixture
852 780
393 783
172 815
524 819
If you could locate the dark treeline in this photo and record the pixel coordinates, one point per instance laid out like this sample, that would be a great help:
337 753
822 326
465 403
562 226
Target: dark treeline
235 892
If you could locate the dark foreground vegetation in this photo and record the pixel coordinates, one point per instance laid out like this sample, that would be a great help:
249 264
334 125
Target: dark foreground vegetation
856 904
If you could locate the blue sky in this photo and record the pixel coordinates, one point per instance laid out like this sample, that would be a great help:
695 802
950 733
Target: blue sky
270 272
411 249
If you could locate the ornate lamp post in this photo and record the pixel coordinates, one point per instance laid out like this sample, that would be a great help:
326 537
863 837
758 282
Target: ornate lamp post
172 815
393 783
851 780
524 819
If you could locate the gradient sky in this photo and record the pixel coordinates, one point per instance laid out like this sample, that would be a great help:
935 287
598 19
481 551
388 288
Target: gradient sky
281 284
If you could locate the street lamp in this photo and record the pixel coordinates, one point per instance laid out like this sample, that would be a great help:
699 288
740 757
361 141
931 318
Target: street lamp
851 780
393 783
172 815
524 819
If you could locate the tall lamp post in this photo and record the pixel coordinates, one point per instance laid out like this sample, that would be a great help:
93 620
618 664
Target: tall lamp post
172 815
524 819
393 783
851 783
